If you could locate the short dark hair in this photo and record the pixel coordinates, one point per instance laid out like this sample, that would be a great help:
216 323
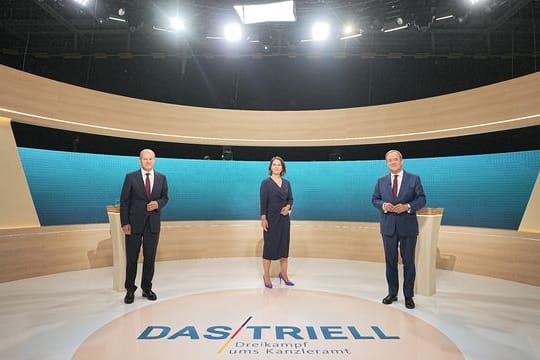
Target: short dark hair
283 169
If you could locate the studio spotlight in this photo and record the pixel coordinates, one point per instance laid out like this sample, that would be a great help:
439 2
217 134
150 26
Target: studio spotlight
320 31
227 153
348 29
177 24
350 33
233 32
121 11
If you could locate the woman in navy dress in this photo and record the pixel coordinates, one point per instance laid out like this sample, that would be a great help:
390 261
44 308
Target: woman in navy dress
276 204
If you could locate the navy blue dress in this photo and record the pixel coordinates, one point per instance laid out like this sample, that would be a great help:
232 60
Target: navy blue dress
278 236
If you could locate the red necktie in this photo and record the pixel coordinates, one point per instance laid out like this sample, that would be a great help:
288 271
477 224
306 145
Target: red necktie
394 187
147 185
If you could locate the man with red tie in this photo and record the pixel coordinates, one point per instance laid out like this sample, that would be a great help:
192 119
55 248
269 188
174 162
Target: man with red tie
398 195
144 194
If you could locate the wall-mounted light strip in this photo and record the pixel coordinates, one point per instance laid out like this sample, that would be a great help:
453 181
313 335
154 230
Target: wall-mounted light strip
162 29
396 28
350 36
444 17
114 18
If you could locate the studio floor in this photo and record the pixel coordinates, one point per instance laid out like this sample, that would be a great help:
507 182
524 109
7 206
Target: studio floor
219 308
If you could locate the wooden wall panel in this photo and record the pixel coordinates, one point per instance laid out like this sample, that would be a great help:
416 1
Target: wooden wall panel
531 217
36 100
17 210
503 254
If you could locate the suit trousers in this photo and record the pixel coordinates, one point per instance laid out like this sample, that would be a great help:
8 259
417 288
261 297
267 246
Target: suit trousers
149 241
407 249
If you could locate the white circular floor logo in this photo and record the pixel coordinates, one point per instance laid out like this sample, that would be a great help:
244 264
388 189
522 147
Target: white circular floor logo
267 324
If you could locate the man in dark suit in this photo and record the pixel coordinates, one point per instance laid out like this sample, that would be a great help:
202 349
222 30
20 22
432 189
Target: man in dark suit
398 196
144 194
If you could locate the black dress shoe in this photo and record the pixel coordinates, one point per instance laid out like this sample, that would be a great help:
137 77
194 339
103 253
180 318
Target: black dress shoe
389 299
409 303
149 294
130 296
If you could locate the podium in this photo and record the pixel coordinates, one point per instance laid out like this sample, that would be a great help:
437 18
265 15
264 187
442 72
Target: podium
118 248
429 222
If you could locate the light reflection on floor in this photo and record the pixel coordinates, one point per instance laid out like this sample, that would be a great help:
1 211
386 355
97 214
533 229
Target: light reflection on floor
50 317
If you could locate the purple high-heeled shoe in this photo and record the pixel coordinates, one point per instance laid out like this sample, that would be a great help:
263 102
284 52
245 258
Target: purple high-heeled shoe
268 286
288 283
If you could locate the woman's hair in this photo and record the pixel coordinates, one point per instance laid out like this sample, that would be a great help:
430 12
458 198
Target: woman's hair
283 169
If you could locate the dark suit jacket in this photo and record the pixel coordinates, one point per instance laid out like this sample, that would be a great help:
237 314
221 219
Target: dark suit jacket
411 192
133 201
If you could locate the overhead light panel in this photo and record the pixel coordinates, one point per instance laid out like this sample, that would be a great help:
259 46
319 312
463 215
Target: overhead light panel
282 11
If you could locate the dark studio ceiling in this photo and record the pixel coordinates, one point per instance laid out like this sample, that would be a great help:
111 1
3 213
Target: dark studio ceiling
65 28
272 68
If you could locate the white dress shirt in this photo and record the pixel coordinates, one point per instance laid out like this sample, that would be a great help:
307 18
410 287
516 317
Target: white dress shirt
399 179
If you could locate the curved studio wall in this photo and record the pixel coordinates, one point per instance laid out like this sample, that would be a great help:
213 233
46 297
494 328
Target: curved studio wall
482 190
73 188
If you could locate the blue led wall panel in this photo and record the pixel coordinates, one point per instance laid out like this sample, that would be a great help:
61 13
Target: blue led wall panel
481 190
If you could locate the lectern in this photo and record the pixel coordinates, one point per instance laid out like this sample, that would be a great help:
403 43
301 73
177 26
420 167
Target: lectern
118 248
429 222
